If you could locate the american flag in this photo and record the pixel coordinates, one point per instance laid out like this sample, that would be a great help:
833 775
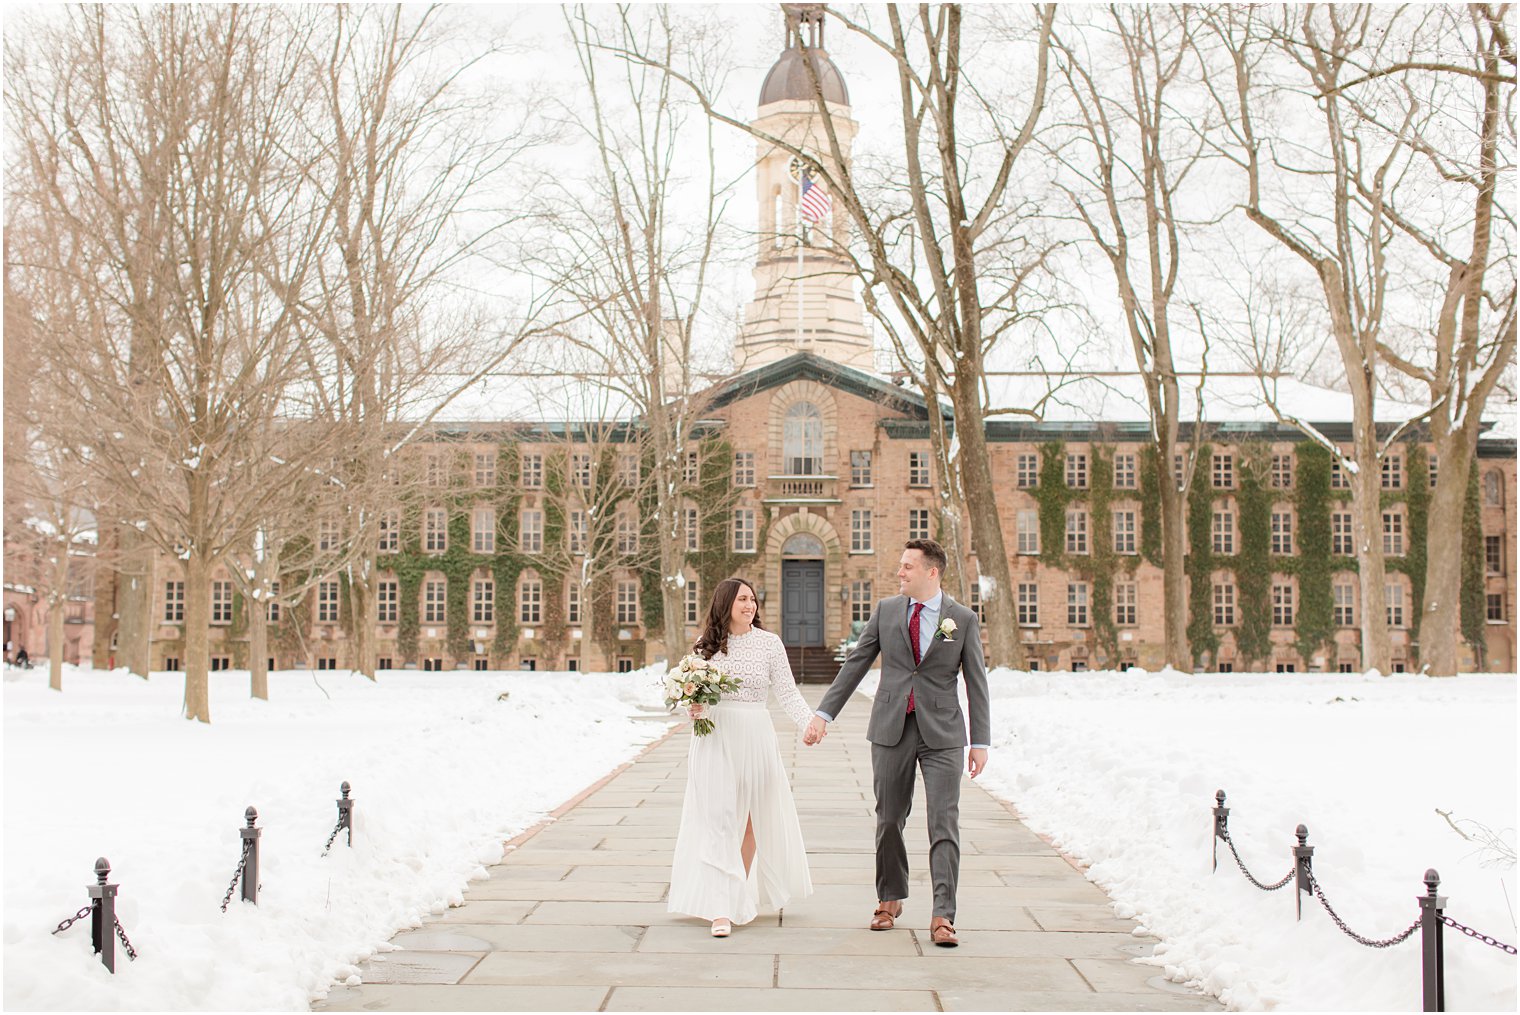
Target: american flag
815 203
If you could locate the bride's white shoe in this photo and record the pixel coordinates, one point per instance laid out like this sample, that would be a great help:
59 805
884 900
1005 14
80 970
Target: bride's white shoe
722 928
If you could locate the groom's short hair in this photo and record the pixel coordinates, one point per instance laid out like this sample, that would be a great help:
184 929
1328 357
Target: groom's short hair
934 554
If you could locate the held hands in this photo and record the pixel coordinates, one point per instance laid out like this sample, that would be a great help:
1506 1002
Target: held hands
696 711
816 731
976 761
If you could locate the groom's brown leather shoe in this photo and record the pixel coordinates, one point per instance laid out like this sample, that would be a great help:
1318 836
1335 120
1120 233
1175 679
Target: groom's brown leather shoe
886 915
942 932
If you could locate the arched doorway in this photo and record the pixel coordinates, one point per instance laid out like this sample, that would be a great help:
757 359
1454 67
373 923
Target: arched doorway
802 619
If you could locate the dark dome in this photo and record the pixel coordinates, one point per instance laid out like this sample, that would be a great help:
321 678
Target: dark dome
789 79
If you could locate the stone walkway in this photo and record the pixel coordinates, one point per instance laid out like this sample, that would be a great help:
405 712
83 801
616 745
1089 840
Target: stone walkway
574 919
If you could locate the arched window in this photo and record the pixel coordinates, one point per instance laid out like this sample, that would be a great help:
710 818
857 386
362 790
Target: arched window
802 544
802 440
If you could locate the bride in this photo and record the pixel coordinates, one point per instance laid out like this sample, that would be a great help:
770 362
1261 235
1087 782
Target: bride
740 846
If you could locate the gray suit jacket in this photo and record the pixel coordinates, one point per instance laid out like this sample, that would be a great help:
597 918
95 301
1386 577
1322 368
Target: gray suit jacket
933 681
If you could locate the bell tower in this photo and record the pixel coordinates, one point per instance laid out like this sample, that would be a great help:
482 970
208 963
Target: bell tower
804 286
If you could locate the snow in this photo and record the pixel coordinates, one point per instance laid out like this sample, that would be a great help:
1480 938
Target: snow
1120 769
443 772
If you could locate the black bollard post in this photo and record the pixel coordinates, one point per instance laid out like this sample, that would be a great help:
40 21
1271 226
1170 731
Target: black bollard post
1432 953
103 915
346 812
1221 824
251 869
1303 856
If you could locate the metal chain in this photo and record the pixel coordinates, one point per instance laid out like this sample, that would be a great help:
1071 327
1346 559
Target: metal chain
1249 876
1476 936
68 922
333 837
122 934
1399 938
237 875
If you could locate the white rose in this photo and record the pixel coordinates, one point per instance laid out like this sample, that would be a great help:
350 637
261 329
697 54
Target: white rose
947 625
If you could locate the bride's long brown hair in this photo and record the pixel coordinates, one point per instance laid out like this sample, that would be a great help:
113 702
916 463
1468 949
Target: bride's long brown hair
714 637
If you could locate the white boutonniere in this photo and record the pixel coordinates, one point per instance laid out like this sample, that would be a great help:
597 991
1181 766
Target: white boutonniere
946 630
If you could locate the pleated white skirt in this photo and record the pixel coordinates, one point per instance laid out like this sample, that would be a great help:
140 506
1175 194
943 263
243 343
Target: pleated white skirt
733 774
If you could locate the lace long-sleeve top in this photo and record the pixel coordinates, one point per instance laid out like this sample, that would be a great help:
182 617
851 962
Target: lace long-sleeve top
758 659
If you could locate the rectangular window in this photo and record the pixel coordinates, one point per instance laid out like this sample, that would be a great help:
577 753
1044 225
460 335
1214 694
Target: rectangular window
1393 533
1282 605
1432 465
744 468
1125 605
691 468
693 603
1340 479
1393 472
1224 472
1282 532
744 530
627 602
327 602
1076 604
625 664
1341 541
219 663
435 469
532 472
1076 530
1027 471
1124 532
388 602
627 536
1224 604
1496 608
483 531
1178 470
482 663
1029 532
577 532
860 601
918 523
1493 555
1125 472
1282 472
572 664
628 470
1028 603
1224 532
329 534
976 600
1345 604
580 470
485 468
860 530
390 532
918 468
1395 594
435 530
530 535
1076 470
381 663
530 601
573 602
434 601
860 468
483 598
272 605
690 523
1287 668
221 602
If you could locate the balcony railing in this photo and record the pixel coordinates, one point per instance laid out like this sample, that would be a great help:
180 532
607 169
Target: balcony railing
793 488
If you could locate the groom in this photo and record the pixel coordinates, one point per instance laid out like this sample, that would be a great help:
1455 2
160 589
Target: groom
925 639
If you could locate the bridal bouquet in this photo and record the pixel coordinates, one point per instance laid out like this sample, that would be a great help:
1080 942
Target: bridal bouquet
696 681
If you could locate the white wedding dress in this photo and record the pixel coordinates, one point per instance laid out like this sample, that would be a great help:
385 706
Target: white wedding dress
733 774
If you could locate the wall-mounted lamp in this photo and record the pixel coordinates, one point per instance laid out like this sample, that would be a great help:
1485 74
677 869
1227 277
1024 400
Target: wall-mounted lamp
760 593
844 593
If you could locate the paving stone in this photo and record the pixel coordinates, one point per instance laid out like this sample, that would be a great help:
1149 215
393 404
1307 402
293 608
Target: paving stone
955 999
927 972
1096 917
525 872
770 940
652 970
461 997
487 911
735 999
489 937
418 967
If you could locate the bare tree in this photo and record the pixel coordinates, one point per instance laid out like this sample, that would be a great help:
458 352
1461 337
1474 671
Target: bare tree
1134 150
182 347
637 264
945 251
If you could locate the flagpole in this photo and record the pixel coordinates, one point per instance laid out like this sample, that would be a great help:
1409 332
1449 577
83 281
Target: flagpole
801 284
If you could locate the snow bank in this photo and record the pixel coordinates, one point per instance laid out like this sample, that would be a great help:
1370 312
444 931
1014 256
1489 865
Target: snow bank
443 771
1120 769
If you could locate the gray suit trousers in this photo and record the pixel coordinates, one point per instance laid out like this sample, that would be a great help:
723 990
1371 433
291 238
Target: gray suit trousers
892 775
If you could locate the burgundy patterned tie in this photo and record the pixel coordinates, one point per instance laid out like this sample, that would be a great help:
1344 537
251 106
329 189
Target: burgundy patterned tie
918 655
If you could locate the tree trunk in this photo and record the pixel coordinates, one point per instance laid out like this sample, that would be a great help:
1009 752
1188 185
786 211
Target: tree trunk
1003 645
58 606
107 589
1367 529
364 608
672 562
258 648
134 603
197 636
1441 612
1174 581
